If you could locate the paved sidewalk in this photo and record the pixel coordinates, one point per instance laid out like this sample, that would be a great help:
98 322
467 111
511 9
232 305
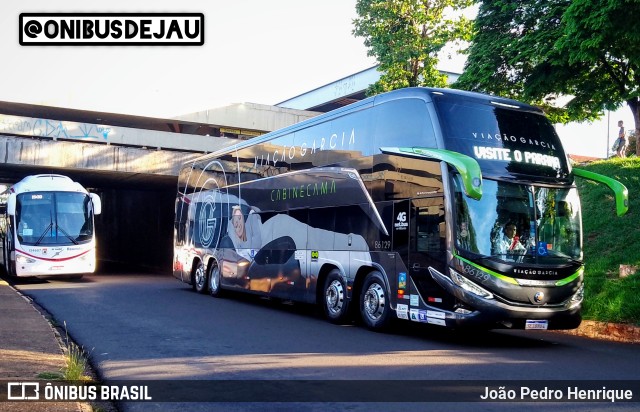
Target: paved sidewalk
29 346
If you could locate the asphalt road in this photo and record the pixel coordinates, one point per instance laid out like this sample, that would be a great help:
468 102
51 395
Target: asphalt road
146 327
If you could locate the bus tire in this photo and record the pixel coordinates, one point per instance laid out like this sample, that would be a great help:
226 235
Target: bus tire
334 298
214 280
199 278
375 310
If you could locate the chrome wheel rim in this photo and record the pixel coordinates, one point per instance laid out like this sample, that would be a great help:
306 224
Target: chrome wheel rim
374 301
334 297
199 277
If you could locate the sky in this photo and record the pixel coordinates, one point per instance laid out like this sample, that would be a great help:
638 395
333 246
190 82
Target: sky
258 51
255 51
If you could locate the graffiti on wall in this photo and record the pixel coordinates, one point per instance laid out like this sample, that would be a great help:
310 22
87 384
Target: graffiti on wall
54 129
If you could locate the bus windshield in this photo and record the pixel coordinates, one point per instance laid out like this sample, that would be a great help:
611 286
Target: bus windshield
519 223
53 218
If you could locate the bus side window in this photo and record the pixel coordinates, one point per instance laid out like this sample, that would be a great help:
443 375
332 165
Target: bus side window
354 228
416 129
325 220
299 231
181 221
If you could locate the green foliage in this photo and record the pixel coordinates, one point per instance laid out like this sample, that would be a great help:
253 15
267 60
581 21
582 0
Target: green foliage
406 36
76 365
538 50
513 53
632 143
50 376
610 241
76 362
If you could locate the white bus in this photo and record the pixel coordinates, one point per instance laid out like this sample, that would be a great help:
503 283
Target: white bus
48 227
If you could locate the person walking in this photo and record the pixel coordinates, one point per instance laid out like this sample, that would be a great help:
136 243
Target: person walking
621 144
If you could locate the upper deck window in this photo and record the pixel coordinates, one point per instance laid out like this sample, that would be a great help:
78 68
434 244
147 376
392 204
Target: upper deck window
504 139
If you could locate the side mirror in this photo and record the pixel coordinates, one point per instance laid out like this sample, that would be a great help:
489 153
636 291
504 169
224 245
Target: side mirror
97 204
11 204
620 191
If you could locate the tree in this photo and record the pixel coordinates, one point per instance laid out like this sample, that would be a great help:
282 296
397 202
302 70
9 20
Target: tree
604 36
406 36
539 50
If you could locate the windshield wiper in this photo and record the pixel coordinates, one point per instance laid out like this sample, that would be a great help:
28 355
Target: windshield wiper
64 232
46 230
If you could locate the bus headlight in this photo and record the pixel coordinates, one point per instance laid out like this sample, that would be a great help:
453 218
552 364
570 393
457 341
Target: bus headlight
24 259
469 286
579 295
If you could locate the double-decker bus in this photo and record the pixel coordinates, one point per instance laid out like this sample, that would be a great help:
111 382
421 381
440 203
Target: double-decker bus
48 227
433 205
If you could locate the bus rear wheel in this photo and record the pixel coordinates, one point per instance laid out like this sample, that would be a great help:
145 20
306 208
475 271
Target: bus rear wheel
374 302
199 278
334 298
214 280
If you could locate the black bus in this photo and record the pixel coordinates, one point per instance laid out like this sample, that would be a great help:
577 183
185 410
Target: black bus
434 205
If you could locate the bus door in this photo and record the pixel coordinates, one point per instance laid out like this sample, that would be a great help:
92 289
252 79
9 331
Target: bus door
427 248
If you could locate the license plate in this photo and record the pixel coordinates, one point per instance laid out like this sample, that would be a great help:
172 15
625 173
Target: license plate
537 324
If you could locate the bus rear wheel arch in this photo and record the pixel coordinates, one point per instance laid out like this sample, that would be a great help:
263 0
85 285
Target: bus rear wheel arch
199 277
335 299
375 309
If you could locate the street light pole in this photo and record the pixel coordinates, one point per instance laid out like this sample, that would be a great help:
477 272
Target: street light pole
608 129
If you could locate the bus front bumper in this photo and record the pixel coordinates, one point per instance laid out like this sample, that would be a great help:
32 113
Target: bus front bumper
27 267
494 314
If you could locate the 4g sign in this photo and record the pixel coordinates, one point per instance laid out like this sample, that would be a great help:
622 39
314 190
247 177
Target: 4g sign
401 221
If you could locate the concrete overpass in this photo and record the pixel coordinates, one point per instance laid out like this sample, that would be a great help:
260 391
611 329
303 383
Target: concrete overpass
131 162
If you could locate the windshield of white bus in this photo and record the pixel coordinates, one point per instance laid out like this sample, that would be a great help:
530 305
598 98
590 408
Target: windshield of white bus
53 218
519 223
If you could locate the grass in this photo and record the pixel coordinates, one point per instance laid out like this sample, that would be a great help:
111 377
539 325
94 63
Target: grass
50 376
76 360
75 370
610 241
76 365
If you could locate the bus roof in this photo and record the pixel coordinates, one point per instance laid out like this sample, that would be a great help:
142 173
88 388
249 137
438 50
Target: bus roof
47 182
424 93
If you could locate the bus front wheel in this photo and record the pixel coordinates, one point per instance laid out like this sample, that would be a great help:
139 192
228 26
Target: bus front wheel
334 298
199 278
374 302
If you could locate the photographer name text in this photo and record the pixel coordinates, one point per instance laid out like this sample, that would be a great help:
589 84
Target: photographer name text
570 393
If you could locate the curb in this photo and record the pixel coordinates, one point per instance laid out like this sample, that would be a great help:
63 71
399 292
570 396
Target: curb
62 343
615 332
